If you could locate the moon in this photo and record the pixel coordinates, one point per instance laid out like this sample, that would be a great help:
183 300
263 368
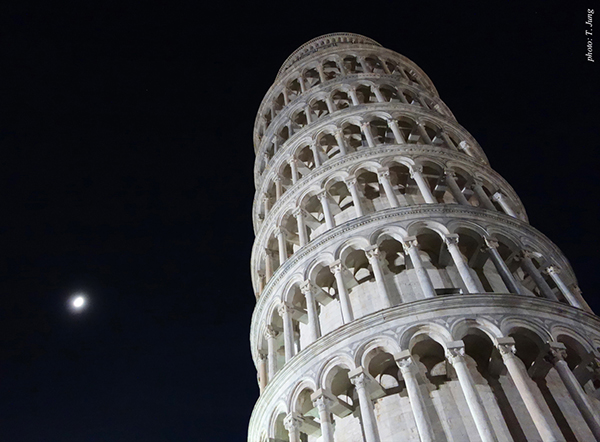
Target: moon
78 302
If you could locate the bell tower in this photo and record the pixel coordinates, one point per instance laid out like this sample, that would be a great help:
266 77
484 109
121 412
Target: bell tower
401 292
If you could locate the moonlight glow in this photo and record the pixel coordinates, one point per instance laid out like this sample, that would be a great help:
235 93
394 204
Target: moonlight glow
77 303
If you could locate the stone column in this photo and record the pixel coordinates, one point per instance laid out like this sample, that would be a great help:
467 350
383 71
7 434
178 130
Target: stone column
302 84
577 293
339 138
292 423
416 173
265 200
346 306
556 356
454 189
329 221
261 281
311 309
308 114
384 179
321 73
455 354
506 347
405 362
323 403
378 95
553 271
278 188
366 128
270 336
286 99
330 106
299 215
423 133
351 184
369 423
484 200
280 234
491 247
294 166
268 264
411 248
373 256
316 154
535 274
262 371
393 124
364 65
353 96
501 199
285 311
459 262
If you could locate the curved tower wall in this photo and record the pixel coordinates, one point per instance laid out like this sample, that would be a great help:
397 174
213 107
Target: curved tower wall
401 292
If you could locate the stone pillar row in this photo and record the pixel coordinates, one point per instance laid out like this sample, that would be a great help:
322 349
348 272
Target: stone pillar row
416 173
366 385
411 249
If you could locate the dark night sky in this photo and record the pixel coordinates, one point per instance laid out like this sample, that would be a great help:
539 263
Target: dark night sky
126 172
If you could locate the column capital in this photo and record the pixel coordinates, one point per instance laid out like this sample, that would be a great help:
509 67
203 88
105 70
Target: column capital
336 267
451 239
506 346
404 360
262 356
350 181
279 231
529 254
307 287
491 243
383 172
270 332
359 378
269 253
293 422
338 131
450 172
292 161
285 309
298 211
322 195
498 196
372 252
364 124
410 242
556 352
276 178
415 169
322 399
455 351
552 270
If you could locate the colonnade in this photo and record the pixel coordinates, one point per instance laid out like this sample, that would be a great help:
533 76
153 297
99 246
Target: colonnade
555 353
369 132
303 218
312 292
314 75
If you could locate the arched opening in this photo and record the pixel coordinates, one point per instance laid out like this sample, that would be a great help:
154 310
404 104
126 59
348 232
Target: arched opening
352 65
353 137
331 69
365 94
368 185
343 207
326 295
341 100
382 134
329 145
374 64
314 216
390 93
311 78
319 108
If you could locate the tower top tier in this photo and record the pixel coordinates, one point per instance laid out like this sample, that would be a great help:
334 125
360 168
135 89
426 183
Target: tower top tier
323 42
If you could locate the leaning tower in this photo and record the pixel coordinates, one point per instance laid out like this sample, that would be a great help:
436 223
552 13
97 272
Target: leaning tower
401 293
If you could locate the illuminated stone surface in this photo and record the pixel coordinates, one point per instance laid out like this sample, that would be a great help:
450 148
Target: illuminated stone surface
401 293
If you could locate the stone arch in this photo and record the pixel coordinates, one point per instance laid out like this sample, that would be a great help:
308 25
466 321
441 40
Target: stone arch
461 328
293 399
364 353
324 375
414 334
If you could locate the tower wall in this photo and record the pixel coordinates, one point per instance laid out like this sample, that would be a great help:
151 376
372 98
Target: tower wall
401 293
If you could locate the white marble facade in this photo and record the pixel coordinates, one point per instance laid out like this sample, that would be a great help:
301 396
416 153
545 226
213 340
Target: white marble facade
401 293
